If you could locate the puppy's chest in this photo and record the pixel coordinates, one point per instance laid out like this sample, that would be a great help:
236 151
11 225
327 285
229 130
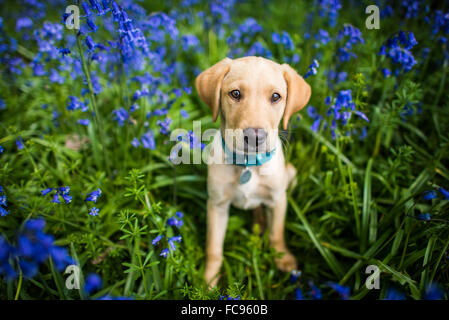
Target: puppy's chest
253 193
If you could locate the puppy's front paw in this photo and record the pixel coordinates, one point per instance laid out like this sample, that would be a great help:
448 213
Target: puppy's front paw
211 279
287 262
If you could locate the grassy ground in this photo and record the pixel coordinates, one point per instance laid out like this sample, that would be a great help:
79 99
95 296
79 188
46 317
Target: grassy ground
359 199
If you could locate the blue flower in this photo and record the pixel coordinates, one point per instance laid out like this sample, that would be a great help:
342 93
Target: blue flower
429 195
63 192
298 294
148 141
164 125
433 292
343 291
312 69
164 253
393 294
94 211
93 282
33 248
94 195
397 48
329 9
135 142
19 143
84 122
315 292
424 216
121 115
444 192
157 239
175 222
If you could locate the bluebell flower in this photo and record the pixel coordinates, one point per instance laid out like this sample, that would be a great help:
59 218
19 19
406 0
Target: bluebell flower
183 113
424 216
33 248
94 212
294 276
3 203
429 195
156 240
94 195
329 9
312 69
175 222
121 115
322 37
444 192
60 192
164 253
164 125
315 292
19 143
343 291
298 294
148 141
93 282
84 122
188 41
433 292
23 23
393 294
386 72
135 142
397 49
1 149
75 103
352 36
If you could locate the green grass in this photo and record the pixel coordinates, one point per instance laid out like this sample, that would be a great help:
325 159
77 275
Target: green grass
353 205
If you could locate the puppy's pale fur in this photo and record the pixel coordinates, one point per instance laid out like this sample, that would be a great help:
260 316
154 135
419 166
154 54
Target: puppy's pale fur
257 79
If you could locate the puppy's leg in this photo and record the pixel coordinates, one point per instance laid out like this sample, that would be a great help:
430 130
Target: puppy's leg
287 261
217 221
291 173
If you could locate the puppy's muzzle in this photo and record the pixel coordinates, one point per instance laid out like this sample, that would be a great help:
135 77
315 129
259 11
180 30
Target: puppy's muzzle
254 139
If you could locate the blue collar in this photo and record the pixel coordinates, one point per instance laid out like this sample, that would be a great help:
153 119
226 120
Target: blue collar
248 160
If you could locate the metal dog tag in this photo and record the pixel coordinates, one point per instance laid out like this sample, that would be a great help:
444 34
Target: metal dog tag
245 176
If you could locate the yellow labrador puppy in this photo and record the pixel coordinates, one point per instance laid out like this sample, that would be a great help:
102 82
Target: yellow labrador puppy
251 95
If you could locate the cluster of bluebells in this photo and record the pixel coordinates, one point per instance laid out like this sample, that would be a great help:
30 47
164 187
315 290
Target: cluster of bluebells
286 42
432 292
58 193
440 30
315 292
93 197
3 203
328 9
33 248
398 50
175 221
75 104
348 36
190 140
243 37
340 111
430 195
93 282
411 8
312 69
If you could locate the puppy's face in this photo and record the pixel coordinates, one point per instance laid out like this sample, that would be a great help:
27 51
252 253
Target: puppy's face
252 94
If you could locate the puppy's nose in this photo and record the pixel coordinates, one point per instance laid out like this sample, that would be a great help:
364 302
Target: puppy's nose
254 136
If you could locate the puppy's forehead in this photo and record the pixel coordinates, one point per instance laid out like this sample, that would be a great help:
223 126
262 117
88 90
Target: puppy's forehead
257 70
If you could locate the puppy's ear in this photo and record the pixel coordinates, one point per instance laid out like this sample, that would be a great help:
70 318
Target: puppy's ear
208 84
298 93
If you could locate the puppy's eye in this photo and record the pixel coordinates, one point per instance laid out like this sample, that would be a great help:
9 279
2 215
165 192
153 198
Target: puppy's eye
235 94
275 97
